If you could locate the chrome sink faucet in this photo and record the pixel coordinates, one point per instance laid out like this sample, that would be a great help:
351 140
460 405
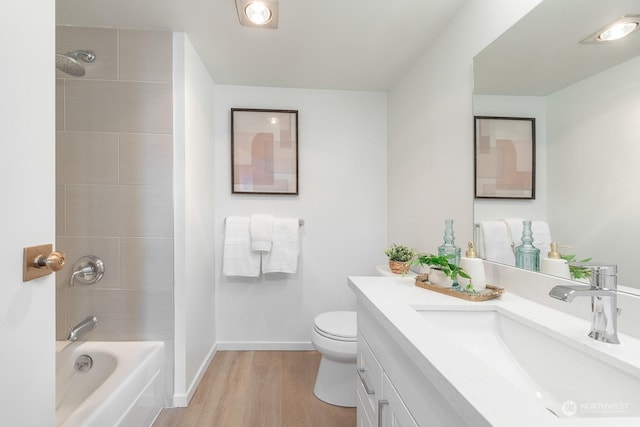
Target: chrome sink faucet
87 324
604 301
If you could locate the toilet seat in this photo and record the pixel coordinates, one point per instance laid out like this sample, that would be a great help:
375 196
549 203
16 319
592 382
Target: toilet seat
337 325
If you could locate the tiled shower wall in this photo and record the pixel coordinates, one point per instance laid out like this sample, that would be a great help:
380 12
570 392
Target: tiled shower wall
114 184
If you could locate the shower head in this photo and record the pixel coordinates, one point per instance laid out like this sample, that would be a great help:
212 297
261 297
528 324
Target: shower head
69 63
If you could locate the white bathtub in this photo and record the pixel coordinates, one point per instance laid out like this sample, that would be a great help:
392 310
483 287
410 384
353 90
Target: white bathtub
124 387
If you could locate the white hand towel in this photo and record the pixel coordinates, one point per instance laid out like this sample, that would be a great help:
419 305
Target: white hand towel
514 226
541 237
238 259
261 232
283 257
494 242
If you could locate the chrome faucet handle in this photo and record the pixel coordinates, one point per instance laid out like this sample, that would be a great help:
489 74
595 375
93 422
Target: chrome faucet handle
87 270
604 276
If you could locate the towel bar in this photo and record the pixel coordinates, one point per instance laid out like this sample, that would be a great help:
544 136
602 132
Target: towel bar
300 221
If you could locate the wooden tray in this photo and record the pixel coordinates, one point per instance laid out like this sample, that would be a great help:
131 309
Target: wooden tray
490 292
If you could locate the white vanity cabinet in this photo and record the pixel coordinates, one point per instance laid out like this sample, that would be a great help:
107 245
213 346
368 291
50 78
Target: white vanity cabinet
392 390
430 360
379 404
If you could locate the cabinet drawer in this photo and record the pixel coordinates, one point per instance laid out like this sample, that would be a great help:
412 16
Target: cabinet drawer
369 378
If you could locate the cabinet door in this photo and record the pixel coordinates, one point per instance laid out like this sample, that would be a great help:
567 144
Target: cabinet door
363 415
369 386
394 412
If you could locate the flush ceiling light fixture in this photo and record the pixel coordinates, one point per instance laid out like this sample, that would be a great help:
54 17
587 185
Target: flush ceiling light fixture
258 13
618 29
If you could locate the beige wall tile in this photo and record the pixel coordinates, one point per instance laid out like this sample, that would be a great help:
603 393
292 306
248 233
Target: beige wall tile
59 104
146 159
102 41
106 106
60 210
86 158
92 162
119 210
146 263
105 248
123 315
145 55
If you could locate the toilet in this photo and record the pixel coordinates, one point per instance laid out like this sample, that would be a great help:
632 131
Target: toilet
334 335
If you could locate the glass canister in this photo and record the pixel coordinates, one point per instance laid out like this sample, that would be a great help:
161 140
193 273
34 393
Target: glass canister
449 246
527 255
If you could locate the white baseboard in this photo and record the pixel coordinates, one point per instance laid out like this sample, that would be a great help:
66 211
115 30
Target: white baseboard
182 400
265 345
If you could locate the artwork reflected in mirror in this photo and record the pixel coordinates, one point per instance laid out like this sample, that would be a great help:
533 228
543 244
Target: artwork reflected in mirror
504 153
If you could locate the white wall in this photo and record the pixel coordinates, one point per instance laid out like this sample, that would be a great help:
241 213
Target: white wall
342 176
195 335
431 129
517 106
27 171
593 163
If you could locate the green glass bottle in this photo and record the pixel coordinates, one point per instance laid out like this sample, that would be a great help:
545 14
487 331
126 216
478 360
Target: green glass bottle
527 255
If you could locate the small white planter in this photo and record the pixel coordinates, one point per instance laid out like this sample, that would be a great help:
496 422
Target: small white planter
438 278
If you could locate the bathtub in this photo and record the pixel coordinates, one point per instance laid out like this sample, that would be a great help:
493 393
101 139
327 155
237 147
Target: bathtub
123 387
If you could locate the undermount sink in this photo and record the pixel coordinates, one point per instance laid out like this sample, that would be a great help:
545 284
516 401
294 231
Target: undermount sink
567 381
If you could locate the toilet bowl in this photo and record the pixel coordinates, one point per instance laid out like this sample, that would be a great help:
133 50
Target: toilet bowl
334 335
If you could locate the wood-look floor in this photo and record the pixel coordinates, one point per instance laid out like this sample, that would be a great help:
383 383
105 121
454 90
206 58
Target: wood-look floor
259 389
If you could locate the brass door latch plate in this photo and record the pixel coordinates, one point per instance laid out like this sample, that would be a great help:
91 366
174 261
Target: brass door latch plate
38 261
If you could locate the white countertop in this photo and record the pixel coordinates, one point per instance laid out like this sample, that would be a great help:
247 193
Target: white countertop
394 300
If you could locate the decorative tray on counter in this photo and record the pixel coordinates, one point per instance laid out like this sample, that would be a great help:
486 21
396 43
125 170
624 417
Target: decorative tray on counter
490 292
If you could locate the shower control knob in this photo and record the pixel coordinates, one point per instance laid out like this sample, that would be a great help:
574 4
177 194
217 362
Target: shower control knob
54 261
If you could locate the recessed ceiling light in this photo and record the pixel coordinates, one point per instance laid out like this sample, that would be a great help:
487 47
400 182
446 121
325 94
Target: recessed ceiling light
258 13
618 29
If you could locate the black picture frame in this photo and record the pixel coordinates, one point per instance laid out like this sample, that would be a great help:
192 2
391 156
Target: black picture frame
504 157
264 151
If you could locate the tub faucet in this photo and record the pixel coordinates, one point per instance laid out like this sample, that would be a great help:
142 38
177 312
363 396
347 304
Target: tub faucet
604 301
86 325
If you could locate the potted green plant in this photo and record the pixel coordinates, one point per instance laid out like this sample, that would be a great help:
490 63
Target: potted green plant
441 271
399 258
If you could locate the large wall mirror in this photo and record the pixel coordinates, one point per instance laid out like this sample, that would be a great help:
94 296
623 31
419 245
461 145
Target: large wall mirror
586 101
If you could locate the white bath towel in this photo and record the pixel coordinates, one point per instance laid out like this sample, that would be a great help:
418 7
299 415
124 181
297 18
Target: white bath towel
261 232
494 243
237 258
285 248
